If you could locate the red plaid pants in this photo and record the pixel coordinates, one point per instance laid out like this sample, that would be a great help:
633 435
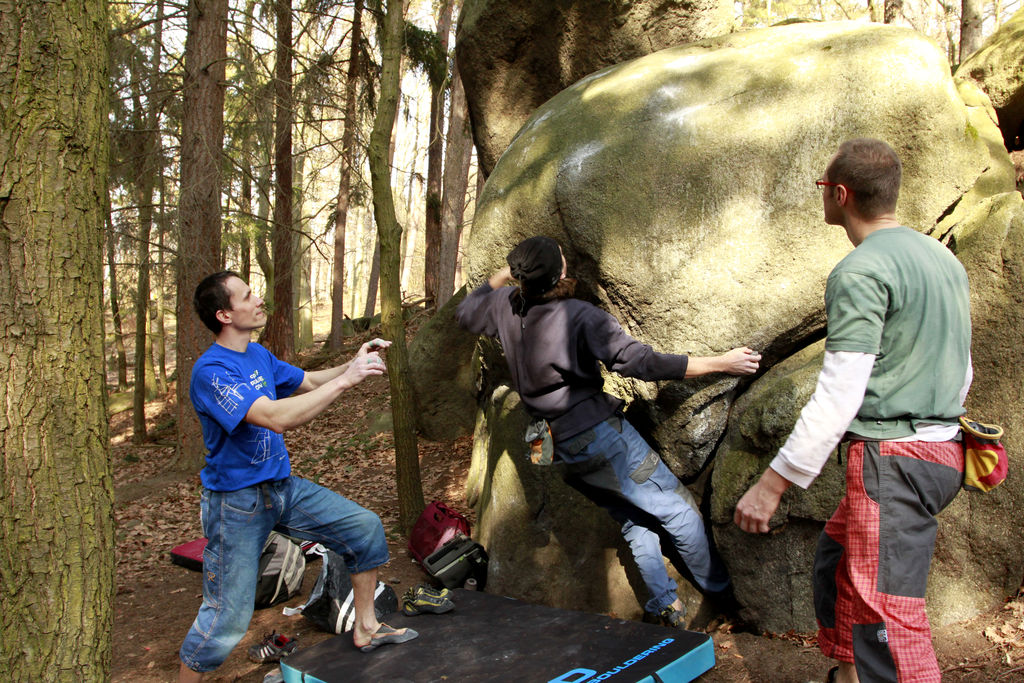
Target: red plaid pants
871 566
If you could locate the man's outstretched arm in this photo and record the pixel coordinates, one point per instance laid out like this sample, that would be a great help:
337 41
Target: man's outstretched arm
318 377
822 423
287 413
739 361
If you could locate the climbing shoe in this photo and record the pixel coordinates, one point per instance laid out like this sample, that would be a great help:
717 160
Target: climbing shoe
673 617
424 599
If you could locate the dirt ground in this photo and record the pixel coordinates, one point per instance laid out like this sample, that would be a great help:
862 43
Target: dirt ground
349 449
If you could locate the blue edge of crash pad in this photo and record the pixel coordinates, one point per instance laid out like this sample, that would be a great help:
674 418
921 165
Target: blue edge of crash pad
492 638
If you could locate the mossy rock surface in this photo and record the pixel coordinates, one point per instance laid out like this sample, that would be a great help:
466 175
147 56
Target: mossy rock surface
681 186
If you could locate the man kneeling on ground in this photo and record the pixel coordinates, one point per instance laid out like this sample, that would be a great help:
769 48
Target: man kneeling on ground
245 399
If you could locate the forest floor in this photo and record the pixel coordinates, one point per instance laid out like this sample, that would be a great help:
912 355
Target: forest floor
349 449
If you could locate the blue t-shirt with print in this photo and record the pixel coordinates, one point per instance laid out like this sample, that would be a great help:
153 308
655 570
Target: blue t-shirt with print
225 383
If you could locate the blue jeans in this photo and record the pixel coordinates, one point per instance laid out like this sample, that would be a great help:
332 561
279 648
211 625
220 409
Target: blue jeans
237 523
615 467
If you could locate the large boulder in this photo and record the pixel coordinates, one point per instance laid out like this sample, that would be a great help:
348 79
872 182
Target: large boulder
779 564
998 69
681 186
979 553
443 375
515 56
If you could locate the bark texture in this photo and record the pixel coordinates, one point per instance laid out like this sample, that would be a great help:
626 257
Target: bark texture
458 156
971 36
348 137
435 165
280 326
202 135
56 517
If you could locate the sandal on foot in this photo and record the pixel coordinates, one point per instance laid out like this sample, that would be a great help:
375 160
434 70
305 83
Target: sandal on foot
832 673
386 635
424 599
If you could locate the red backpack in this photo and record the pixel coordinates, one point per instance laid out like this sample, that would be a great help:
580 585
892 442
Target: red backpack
436 526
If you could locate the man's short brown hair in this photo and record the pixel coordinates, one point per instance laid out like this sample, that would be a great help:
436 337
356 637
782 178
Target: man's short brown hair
211 296
870 169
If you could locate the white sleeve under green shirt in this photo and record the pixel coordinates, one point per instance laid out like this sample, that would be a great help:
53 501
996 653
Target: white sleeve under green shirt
898 310
829 412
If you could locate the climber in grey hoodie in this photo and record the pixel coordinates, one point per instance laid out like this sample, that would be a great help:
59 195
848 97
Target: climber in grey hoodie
554 345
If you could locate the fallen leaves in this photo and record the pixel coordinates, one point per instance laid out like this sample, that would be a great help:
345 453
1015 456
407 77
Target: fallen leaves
802 639
1007 632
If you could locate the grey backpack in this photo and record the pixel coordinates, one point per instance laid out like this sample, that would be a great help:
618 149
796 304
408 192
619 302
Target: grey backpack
280 573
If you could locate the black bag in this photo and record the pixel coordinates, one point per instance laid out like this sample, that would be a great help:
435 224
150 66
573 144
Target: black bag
330 605
457 560
282 565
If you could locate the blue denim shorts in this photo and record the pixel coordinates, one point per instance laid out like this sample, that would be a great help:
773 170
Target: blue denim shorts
237 523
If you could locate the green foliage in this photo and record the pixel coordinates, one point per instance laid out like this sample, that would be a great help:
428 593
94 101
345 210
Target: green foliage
313 87
423 48
420 46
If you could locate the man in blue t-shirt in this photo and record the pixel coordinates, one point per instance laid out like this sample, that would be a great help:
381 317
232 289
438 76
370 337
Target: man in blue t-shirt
245 399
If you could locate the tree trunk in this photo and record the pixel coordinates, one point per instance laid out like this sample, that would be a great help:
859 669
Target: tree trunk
366 243
143 183
159 329
876 11
432 225
302 297
202 134
407 467
893 11
970 28
56 504
245 48
279 334
143 385
159 333
334 339
115 302
156 160
245 251
458 155
374 280
263 183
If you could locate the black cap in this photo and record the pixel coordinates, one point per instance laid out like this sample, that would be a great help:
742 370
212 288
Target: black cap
536 263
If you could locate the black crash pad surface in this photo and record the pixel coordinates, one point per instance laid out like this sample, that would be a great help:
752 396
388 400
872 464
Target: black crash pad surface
492 638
